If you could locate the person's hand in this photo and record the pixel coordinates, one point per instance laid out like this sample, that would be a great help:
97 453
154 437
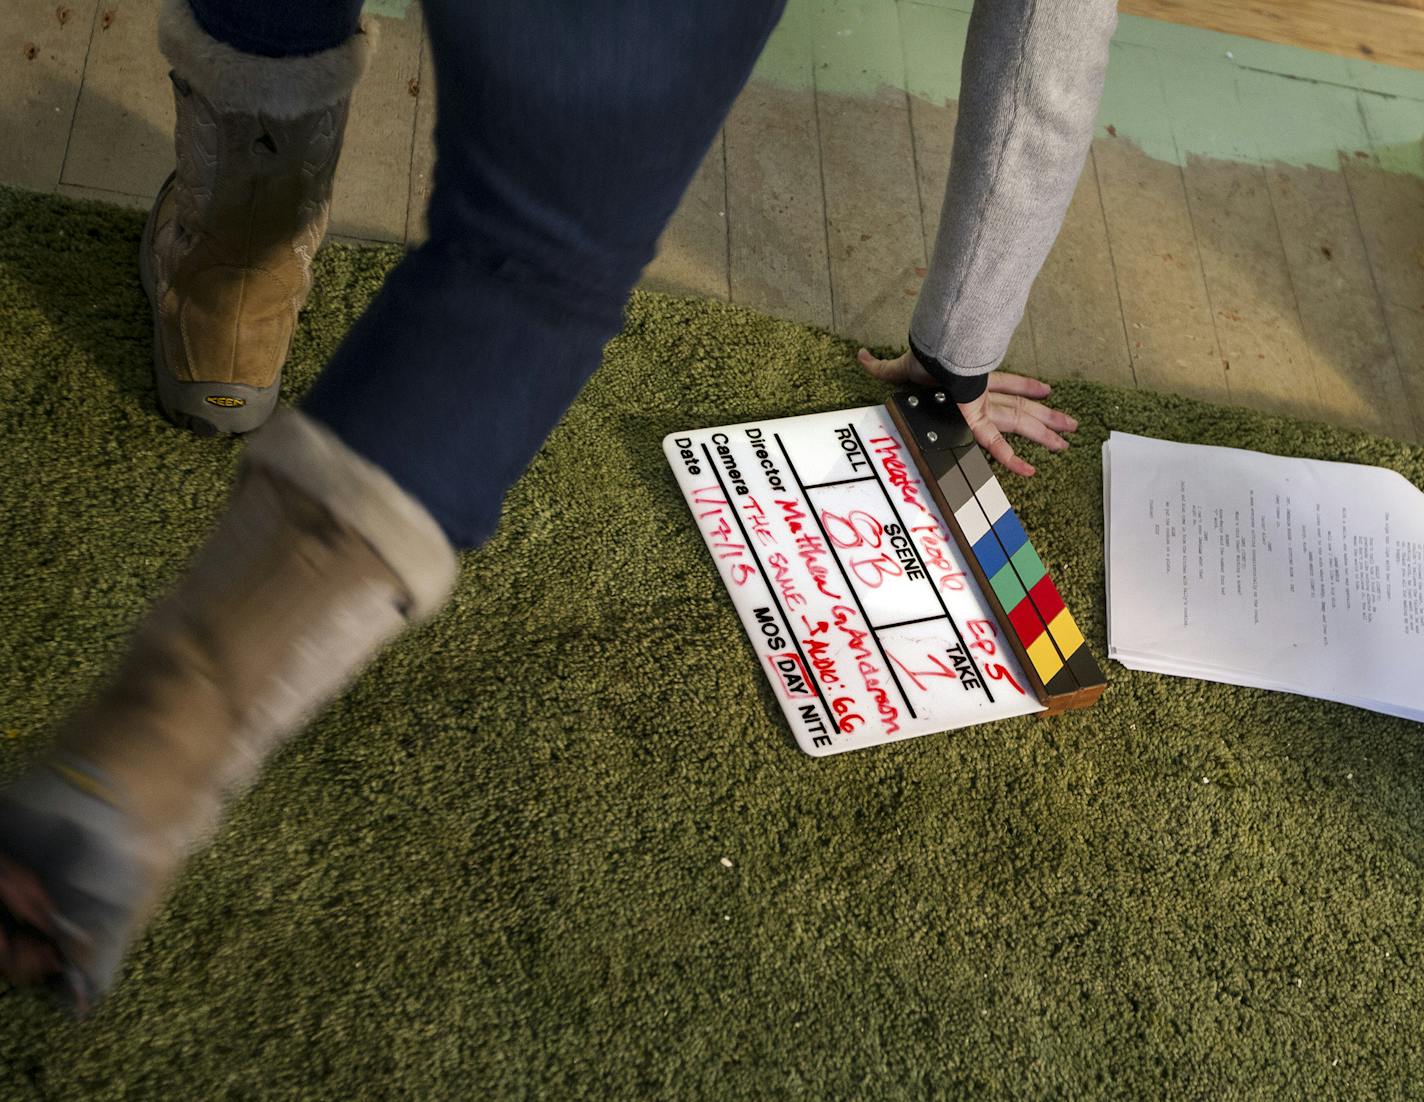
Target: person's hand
1009 405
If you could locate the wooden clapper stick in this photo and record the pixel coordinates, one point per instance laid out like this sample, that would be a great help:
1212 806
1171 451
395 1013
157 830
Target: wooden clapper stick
1012 577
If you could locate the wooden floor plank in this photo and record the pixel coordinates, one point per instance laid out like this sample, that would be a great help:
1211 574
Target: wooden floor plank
692 253
422 157
371 192
1303 128
876 241
1078 330
932 39
962 6
1380 32
1369 76
1248 282
875 236
123 123
1167 315
103 195
776 214
1407 331
1021 357
1247 276
44 45
1388 189
1248 53
932 126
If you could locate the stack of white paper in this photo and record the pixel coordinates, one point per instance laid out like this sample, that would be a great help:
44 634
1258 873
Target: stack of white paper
1289 574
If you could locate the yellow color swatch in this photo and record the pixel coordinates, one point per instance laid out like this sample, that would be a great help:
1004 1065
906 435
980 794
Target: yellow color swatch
1045 659
1065 632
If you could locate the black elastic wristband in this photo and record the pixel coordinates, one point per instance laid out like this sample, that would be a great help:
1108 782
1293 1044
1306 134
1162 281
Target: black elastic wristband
960 388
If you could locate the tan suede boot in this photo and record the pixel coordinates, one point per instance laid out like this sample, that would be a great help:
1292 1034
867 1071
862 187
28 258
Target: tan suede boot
226 255
319 560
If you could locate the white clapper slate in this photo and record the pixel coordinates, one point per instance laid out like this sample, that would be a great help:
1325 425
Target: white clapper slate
857 602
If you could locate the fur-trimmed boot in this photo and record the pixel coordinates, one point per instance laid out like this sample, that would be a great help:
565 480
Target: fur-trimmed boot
226 256
319 560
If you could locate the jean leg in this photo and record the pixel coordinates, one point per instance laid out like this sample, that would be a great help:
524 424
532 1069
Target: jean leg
565 136
278 28
1032 78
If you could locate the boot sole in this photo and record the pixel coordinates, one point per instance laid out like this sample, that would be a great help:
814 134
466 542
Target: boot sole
205 409
33 950
70 883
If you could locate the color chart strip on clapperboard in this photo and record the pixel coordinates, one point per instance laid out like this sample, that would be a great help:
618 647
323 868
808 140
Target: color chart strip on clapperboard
1047 630
831 546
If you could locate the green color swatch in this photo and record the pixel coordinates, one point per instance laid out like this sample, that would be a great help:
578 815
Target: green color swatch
1028 564
1007 587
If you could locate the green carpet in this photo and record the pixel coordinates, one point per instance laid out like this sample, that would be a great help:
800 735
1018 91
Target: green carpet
493 869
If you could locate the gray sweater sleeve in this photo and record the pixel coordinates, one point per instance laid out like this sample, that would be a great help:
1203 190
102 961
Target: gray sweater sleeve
1032 78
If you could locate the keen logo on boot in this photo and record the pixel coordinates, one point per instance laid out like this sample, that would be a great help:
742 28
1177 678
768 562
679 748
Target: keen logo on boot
225 401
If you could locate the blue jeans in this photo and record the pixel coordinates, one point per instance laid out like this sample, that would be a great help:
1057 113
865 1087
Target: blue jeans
565 136
275 29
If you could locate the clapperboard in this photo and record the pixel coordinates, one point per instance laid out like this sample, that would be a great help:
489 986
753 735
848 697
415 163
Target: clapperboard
873 619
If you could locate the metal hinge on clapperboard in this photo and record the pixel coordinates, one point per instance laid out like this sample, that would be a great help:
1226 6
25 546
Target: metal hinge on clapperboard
1010 574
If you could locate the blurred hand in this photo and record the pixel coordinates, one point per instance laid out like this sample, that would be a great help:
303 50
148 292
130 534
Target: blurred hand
1009 405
